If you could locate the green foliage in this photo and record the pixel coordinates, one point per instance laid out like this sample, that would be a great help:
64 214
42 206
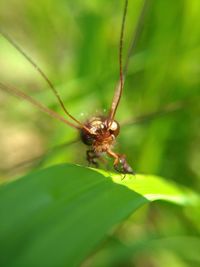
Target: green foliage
116 253
57 216
76 44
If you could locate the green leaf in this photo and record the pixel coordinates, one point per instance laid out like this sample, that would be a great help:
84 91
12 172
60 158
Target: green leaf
115 252
56 216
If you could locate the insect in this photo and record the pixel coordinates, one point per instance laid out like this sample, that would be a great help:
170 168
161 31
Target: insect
98 133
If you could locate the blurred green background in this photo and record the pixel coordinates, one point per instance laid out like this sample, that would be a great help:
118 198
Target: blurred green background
76 44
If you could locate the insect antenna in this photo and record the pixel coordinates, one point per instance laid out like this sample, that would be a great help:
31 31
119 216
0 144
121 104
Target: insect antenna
119 88
51 86
31 100
121 74
123 71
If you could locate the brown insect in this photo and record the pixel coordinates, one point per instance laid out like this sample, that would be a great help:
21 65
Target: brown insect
99 133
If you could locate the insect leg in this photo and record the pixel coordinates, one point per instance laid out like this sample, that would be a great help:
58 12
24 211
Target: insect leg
120 163
91 158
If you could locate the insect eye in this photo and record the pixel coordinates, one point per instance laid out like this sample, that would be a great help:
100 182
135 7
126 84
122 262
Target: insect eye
114 128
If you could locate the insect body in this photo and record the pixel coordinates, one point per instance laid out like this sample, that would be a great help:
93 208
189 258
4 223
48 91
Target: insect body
101 139
99 133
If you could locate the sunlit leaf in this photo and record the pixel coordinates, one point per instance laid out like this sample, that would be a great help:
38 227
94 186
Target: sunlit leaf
56 216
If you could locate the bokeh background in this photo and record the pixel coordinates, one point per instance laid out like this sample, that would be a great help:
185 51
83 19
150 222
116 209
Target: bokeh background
76 43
